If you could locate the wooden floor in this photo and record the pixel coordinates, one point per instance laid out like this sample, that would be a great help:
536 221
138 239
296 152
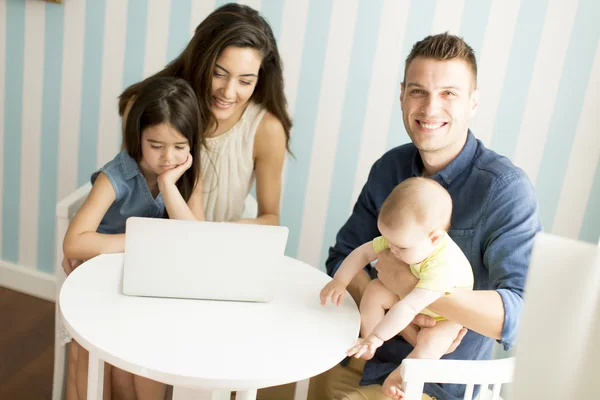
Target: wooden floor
26 346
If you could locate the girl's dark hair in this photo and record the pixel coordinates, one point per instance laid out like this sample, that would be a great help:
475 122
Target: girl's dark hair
166 101
230 25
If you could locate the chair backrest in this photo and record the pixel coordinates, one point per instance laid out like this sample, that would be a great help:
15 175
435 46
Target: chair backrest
416 372
559 339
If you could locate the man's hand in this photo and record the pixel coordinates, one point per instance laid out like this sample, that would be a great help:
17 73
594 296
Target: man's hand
395 274
357 286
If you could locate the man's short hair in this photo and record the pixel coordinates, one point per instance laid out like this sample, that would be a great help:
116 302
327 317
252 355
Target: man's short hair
443 47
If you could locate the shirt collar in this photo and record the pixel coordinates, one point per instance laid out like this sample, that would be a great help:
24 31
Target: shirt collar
130 166
456 167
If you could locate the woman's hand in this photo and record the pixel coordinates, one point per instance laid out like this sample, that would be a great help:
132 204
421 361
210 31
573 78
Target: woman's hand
170 177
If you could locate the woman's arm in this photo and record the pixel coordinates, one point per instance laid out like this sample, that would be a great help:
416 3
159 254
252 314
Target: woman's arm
269 153
82 242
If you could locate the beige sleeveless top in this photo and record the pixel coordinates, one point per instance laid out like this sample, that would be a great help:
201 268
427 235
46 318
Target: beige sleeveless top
228 167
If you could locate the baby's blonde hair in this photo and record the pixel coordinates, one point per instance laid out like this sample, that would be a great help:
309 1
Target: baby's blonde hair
422 201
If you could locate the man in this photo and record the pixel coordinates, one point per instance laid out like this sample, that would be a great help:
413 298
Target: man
494 220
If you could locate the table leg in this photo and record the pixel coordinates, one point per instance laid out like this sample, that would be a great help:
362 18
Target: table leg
182 393
95 377
246 395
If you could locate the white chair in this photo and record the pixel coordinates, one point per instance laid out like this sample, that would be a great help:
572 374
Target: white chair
559 340
65 210
470 373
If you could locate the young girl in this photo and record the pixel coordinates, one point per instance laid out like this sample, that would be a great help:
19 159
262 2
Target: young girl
156 177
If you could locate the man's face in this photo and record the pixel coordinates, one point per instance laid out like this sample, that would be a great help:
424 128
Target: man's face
438 98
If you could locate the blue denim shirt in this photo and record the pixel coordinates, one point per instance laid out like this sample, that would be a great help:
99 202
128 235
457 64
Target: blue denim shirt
133 197
494 221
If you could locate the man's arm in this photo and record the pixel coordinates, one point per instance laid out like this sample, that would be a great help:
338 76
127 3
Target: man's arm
511 222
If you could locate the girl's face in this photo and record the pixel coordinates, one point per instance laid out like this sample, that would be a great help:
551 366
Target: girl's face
163 148
234 80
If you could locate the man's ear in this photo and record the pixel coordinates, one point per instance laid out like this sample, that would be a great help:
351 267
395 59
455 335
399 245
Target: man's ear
474 102
401 91
435 236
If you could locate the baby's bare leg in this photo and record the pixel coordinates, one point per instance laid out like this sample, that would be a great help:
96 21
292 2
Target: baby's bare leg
432 343
376 300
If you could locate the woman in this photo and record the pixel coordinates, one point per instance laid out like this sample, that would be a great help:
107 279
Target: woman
233 65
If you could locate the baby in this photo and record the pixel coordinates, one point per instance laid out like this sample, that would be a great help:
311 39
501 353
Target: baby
413 221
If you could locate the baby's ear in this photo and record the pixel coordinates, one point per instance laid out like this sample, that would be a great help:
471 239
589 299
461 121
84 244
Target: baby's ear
435 236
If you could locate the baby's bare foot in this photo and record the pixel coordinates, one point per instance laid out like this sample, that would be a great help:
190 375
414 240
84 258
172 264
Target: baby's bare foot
392 386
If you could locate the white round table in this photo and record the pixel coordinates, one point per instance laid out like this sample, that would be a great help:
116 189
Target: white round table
207 345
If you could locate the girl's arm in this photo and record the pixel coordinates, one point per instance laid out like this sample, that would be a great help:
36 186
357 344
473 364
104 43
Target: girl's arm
177 207
82 242
269 153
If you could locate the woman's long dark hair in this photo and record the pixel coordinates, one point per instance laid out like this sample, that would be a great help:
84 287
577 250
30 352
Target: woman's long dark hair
166 101
230 25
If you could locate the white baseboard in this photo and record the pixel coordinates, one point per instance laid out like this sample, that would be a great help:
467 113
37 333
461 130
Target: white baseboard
28 281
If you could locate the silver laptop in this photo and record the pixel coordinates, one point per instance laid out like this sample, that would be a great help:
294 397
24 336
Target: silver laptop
202 260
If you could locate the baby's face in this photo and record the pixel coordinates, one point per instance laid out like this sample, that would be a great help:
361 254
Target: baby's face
408 243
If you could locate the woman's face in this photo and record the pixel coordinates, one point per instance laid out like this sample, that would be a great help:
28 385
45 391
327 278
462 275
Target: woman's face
234 80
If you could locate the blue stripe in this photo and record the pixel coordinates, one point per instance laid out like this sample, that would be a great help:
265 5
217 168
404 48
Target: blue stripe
179 27
419 25
90 88
13 101
53 45
590 228
305 115
353 118
135 42
528 32
567 109
474 23
272 10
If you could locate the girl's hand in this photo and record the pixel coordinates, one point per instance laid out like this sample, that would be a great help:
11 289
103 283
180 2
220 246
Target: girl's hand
70 265
171 176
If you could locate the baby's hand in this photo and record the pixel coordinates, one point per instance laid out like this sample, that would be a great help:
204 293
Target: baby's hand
334 290
365 348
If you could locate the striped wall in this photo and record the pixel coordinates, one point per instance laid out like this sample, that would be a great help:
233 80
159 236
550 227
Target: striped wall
62 66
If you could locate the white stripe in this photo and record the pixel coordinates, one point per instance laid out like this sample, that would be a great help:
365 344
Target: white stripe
327 129
291 41
31 131
584 157
252 3
70 101
546 76
157 36
494 58
109 125
200 10
2 78
448 16
381 101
